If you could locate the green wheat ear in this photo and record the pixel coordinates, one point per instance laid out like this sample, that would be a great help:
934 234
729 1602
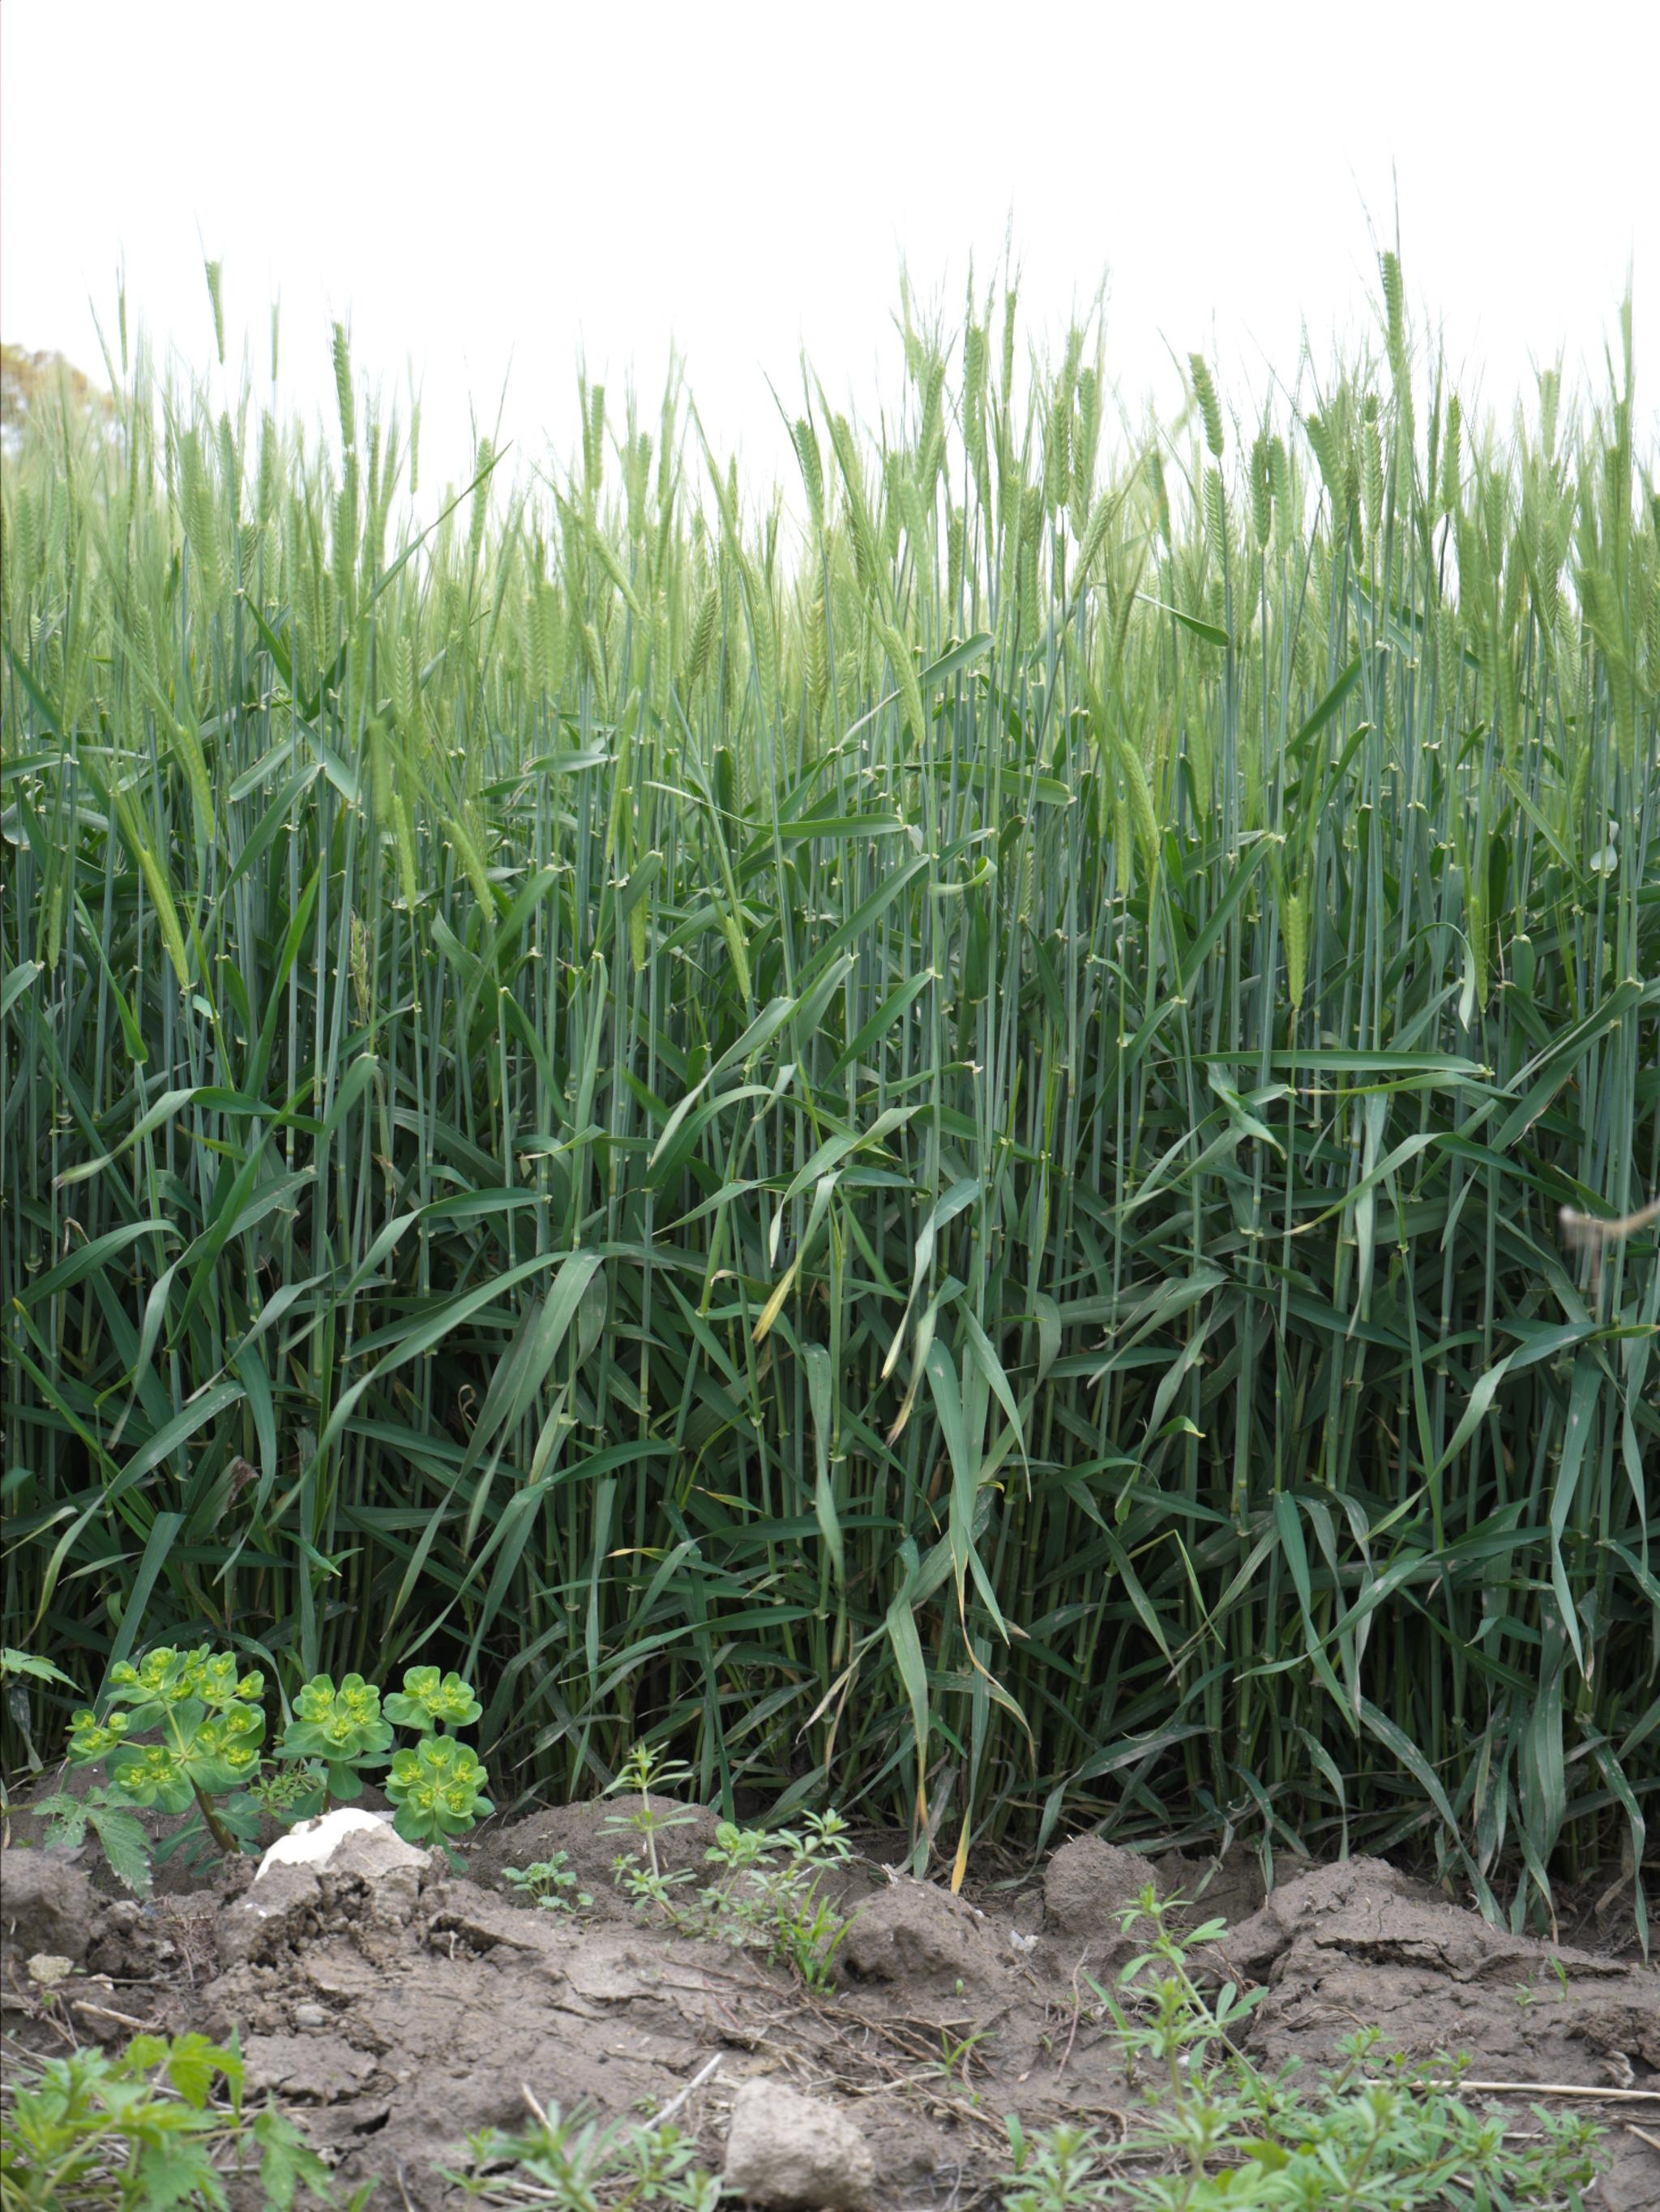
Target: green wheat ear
812 473
1394 304
214 271
343 388
1295 921
1204 391
1138 797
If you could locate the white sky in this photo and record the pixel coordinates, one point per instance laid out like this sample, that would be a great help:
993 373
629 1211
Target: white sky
486 189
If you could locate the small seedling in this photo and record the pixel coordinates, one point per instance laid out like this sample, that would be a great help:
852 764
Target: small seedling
1051 2173
956 2054
576 2163
1178 2025
1527 1992
549 1883
806 1930
645 1773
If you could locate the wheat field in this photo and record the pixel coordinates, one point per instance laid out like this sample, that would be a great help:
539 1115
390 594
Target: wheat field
906 1135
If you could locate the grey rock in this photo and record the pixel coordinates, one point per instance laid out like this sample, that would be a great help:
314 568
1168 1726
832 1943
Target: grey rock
1630 2025
786 2149
262 1918
372 1866
1362 1904
46 1905
317 2068
392 1870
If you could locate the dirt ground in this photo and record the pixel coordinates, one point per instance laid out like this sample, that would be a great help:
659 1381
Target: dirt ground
393 2019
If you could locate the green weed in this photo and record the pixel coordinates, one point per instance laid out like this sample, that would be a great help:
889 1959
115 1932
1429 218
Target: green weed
1364 2136
550 1884
765 1891
142 2129
208 1723
576 2164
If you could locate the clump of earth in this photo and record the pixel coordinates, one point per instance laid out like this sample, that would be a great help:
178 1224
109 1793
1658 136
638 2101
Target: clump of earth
394 2007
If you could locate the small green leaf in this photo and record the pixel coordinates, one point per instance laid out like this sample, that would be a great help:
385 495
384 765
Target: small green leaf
25 1663
126 1845
427 1699
1209 631
194 2061
287 2161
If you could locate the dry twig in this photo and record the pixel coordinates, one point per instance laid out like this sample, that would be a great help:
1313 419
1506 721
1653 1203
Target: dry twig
1607 2095
1588 1233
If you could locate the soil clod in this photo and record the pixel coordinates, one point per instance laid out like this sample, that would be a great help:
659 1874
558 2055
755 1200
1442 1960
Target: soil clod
789 2150
47 1906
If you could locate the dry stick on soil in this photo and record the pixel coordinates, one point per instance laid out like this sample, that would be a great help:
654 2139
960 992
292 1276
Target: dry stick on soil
889 2076
1643 2135
121 2019
705 2074
1077 2014
1543 2089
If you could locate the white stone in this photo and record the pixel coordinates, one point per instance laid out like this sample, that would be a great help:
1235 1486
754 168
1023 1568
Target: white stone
313 1842
786 2149
350 1842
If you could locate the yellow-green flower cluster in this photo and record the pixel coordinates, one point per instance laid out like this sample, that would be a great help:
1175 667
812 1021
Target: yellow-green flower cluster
429 1699
167 1677
91 1738
342 1723
438 1789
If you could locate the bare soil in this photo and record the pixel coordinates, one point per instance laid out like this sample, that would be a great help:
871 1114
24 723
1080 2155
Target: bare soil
392 2026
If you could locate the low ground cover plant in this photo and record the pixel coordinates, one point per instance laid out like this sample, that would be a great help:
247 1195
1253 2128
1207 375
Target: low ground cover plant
1365 2137
575 2163
162 2124
550 1884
